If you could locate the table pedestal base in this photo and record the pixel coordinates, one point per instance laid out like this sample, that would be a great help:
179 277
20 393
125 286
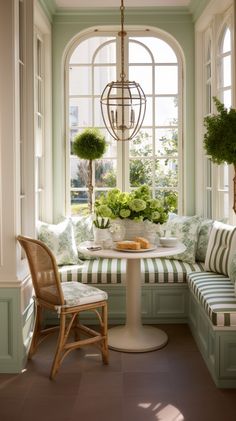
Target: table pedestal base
143 339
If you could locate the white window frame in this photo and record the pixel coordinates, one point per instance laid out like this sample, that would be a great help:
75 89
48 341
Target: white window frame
43 151
216 16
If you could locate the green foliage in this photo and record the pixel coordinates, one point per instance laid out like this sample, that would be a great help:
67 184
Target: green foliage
102 223
137 205
90 144
220 136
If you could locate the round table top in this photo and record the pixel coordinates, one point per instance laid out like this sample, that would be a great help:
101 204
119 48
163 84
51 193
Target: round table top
155 251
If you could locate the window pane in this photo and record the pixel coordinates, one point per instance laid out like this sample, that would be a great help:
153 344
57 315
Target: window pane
227 71
223 177
81 113
85 50
141 145
223 205
79 202
102 76
226 42
98 120
106 54
166 174
161 51
105 173
143 76
166 111
141 171
111 151
78 172
138 53
227 98
148 119
166 142
166 79
80 80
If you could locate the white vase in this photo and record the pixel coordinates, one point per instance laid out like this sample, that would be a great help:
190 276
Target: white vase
133 229
101 235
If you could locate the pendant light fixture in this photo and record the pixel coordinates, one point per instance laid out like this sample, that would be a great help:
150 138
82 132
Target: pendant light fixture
123 103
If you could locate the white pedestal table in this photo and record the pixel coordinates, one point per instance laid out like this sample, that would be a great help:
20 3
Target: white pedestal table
134 336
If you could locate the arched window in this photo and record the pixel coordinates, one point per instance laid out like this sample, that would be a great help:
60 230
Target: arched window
154 156
224 93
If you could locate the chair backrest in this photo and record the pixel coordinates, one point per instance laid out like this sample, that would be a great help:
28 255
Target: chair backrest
44 271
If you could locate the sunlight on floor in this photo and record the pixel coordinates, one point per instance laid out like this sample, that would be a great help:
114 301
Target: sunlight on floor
163 413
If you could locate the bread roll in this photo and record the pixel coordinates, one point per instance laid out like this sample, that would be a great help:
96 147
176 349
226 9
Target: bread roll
144 243
128 245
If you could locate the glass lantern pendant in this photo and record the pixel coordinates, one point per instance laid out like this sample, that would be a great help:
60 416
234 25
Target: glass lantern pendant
123 103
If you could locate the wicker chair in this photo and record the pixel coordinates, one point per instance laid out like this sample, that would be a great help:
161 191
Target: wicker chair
67 299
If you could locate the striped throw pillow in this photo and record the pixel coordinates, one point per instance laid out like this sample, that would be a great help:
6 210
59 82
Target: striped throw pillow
220 249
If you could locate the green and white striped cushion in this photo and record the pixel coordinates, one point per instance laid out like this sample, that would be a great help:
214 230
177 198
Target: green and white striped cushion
216 294
167 271
113 271
220 249
97 271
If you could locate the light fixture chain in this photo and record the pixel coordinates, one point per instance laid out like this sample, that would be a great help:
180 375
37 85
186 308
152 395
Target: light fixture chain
122 34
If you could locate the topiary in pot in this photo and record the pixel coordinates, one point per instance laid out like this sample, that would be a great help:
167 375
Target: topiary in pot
220 138
90 145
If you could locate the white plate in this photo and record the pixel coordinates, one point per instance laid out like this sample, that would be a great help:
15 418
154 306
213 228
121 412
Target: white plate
137 251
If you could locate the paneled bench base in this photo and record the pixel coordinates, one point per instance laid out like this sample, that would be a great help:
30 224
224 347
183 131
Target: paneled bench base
167 303
217 346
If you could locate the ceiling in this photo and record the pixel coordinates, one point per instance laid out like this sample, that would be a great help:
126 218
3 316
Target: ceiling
116 3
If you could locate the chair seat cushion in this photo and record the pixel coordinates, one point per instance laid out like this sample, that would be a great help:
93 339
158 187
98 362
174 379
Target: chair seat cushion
113 271
216 295
76 294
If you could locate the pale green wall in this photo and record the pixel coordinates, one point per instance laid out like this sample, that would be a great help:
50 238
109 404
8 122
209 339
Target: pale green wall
66 26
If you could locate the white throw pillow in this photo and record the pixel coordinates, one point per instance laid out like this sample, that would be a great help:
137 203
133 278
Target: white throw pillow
220 249
60 239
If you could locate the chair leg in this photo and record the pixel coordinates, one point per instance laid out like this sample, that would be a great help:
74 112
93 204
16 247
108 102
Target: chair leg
76 328
36 331
104 348
60 345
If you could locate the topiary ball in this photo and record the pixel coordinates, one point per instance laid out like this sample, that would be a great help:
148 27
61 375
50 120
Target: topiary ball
90 144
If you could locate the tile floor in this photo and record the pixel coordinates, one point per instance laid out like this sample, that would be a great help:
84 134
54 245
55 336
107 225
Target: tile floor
171 384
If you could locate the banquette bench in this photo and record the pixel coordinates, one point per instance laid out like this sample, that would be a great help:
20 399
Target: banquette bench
196 287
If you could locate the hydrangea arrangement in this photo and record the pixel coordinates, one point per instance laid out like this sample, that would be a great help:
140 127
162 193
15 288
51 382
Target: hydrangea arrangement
137 205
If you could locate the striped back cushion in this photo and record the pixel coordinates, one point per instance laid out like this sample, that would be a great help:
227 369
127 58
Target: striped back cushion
221 247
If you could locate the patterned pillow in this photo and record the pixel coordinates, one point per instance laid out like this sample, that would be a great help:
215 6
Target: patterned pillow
203 239
60 239
221 247
83 229
186 229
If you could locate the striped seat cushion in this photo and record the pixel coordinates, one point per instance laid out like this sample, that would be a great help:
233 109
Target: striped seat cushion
113 271
216 294
97 271
167 271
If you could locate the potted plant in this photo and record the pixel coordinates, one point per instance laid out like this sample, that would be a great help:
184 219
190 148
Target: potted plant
90 145
134 209
220 138
101 224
